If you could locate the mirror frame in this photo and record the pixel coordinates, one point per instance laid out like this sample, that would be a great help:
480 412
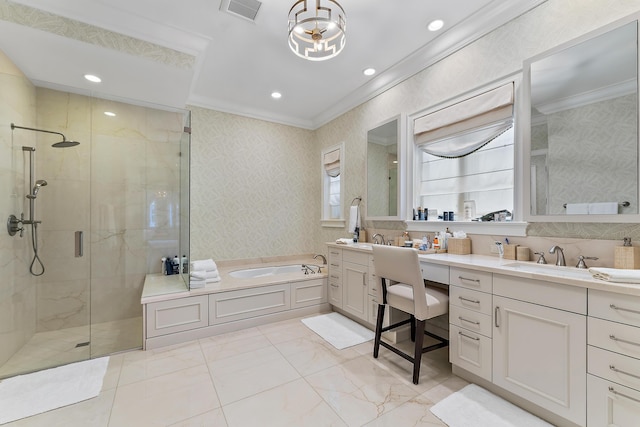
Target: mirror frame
525 121
401 142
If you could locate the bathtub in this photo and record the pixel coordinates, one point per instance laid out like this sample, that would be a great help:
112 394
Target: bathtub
251 273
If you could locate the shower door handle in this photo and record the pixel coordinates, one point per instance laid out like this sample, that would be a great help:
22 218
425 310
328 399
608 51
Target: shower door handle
79 244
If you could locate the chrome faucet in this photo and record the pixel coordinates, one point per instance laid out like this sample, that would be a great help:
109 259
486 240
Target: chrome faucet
375 236
324 260
581 263
559 255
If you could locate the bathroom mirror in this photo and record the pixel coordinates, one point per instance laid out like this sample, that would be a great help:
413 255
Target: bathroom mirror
583 123
384 159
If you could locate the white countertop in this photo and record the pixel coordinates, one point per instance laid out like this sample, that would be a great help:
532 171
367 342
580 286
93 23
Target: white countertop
158 287
526 269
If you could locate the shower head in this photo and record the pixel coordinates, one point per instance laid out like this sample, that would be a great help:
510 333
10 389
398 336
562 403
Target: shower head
65 143
36 188
62 144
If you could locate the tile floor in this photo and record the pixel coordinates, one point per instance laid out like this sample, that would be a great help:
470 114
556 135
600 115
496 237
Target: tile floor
279 374
53 348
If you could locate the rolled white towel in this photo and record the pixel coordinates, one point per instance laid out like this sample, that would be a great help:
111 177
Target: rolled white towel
343 241
618 275
211 274
203 265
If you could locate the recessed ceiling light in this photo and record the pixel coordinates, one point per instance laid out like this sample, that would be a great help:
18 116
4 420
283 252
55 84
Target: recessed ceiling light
92 78
109 113
276 95
435 25
369 71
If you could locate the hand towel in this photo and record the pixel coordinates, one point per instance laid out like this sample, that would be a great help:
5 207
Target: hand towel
196 283
577 208
203 275
618 275
354 218
203 265
603 208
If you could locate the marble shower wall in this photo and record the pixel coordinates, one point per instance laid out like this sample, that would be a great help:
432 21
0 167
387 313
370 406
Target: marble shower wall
121 187
17 287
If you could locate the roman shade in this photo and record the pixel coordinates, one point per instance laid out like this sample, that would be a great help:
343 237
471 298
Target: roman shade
465 127
331 163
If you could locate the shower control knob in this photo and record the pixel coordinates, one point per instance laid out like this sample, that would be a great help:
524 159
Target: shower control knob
12 225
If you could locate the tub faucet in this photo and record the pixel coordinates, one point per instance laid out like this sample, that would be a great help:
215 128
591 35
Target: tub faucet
559 255
324 260
375 237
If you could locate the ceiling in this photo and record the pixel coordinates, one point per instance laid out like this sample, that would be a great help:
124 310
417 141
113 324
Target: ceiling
193 52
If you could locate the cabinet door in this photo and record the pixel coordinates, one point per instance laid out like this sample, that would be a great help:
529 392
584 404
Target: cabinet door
354 289
539 353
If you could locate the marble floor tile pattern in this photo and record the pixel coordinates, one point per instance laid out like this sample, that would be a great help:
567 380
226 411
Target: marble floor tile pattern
279 374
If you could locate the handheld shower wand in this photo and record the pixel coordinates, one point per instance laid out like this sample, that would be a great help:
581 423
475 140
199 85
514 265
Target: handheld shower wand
36 188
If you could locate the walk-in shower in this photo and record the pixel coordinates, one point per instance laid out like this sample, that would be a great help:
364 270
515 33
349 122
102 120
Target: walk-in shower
15 225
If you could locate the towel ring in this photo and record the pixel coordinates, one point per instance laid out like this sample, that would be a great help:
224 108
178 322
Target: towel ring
359 199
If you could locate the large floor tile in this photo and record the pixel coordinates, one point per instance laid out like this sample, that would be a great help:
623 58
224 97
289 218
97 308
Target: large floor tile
238 377
213 418
359 390
165 399
415 413
310 355
291 404
218 349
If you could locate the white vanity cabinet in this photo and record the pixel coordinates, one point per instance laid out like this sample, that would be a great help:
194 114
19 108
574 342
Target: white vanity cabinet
539 350
470 304
613 380
355 283
335 277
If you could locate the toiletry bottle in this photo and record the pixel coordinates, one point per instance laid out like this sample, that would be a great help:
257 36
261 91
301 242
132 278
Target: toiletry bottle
185 264
425 243
163 262
356 234
176 265
168 266
436 241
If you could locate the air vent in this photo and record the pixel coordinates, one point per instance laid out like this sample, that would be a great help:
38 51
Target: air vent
247 9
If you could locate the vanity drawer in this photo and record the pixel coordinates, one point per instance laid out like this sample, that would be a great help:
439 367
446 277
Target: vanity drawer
335 275
472 300
373 286
470 320
435 272
470 351
355 257
610 404
614 336
617 307
614 367
335 259
471 279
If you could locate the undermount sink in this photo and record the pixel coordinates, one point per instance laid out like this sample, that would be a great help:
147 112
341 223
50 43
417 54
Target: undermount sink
362 245
551 270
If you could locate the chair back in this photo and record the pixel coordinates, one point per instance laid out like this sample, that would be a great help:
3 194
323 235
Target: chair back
400 266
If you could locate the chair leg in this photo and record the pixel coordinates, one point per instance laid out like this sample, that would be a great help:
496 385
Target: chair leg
413 328
417 358
379 320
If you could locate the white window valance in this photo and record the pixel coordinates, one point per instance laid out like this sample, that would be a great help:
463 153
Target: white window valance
463 128
331 163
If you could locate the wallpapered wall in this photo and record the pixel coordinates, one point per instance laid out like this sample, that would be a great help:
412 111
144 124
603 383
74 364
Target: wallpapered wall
256 186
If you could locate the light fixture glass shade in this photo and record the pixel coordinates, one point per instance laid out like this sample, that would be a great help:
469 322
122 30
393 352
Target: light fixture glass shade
317 29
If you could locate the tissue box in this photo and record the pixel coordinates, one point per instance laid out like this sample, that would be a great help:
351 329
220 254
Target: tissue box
458 246
510 251
626 257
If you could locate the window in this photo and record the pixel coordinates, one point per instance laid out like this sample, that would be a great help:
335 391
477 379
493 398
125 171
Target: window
332 186
465 157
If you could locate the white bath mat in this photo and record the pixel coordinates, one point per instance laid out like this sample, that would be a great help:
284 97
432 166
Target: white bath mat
338 330
475 406
31 394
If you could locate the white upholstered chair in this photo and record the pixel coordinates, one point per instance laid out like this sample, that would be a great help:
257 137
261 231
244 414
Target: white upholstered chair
400 285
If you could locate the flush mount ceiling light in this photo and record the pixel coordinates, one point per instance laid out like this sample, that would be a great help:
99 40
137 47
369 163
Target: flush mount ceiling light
276 95
435 25
369 71
317 33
